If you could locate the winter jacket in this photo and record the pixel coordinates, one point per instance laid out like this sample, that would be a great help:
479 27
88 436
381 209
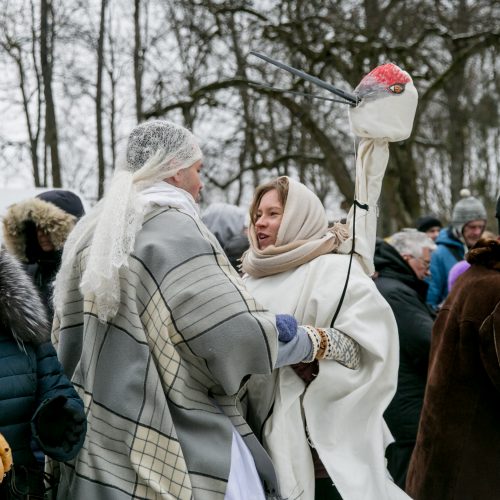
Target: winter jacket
227 223
37 401
406 294
55 212
235 248
448 252
457 452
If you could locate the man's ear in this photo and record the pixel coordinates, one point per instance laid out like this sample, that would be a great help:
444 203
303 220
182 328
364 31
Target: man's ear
175 179
406 257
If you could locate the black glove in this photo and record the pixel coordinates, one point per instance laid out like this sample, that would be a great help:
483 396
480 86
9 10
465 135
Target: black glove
59 425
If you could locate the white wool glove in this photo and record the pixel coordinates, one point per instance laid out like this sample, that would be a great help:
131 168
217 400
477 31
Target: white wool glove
331 344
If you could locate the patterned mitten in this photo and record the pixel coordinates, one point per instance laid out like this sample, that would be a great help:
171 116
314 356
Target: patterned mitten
329 343
6 456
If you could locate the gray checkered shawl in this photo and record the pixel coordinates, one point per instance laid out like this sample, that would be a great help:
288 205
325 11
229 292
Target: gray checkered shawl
160 380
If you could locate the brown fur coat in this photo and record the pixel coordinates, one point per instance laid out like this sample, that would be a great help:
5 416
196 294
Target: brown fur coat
458 444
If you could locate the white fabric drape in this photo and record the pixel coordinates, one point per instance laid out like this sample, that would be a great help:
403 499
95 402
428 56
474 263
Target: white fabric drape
163 194
343 408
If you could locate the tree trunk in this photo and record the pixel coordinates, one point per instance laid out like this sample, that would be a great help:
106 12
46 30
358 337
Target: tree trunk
47 35
249 150
33 135
101 167
457 132
138 60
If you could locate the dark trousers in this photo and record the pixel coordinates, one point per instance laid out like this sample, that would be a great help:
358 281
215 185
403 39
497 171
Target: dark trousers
398 456
23 483
325 490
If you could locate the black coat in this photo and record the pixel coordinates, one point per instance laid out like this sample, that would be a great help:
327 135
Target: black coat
406 295
37 401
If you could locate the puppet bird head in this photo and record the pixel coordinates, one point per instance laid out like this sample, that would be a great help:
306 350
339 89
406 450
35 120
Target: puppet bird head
388 101
383 105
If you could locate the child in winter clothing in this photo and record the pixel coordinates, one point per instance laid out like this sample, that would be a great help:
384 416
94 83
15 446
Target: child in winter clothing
35 231
39 408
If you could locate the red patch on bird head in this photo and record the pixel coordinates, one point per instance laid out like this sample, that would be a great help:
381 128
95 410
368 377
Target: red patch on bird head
386 75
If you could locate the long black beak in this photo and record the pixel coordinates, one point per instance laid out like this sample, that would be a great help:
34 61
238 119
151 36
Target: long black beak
349 98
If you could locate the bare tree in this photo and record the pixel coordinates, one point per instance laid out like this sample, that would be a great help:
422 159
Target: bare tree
138 60
98 102
190 63
21 54
47 38
113 82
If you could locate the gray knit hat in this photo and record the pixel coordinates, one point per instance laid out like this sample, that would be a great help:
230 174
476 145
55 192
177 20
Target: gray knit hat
466 210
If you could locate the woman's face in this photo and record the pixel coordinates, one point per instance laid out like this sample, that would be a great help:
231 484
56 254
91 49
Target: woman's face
44 240
268 219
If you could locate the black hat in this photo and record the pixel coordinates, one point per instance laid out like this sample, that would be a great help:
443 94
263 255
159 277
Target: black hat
65 200
425 222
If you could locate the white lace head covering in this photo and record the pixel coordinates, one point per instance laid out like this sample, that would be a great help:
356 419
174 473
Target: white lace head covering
156 150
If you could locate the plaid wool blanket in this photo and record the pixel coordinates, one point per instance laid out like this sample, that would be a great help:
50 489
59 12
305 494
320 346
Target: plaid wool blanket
160 381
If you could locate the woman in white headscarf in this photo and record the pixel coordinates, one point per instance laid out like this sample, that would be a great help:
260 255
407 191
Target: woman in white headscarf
322 423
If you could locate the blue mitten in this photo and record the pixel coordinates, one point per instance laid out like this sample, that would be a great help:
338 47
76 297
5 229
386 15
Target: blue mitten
287 327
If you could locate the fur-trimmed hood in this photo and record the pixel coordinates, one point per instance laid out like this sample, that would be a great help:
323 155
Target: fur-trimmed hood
22 313
55 212
486 252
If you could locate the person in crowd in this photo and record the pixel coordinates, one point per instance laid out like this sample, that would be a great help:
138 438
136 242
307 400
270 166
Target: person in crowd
322 423
228 224
157 331
35 230
430 225
461 266
401 268
39 408
467 225
458 269
457 451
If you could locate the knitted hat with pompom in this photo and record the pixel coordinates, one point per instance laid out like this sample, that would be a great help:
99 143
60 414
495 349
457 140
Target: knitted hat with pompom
466 210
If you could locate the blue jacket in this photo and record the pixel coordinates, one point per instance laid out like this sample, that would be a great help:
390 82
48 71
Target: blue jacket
448 252
39 408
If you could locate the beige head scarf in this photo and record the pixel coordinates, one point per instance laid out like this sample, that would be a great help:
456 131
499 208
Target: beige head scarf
303 235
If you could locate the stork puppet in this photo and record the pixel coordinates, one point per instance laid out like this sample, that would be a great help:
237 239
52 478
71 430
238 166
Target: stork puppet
340 412
382 109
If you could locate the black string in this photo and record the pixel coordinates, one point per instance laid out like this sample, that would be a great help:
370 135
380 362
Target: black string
364 206
342 297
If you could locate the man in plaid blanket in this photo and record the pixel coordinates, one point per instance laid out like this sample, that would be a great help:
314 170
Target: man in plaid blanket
158 335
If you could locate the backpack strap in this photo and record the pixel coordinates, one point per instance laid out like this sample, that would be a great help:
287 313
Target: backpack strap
455 252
